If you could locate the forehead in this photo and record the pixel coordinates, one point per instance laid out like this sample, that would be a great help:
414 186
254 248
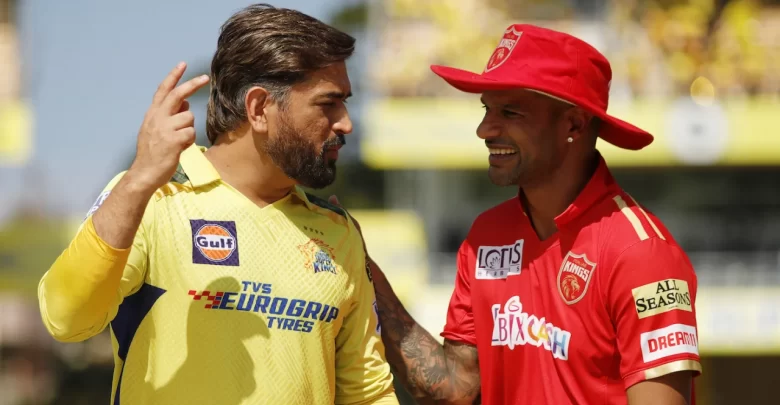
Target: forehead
332 78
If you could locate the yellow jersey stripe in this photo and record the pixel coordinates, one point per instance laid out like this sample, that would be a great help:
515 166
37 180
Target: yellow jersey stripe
673 367
647 217
632 218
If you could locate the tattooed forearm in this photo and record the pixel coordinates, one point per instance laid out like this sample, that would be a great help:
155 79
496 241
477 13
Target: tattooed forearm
431 372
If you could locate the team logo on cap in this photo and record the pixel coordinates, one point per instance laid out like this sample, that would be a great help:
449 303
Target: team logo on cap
574 277
504 49
214 242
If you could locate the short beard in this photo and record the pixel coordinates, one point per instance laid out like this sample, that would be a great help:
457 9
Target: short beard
513 179
298 157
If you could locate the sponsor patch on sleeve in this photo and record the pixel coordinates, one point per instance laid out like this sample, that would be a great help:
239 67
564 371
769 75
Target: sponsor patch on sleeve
669 341
661 296
101 198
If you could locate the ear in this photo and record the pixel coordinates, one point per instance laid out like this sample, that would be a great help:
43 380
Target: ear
577 121
256 102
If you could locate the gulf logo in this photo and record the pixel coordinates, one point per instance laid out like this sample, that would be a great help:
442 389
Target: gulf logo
214 242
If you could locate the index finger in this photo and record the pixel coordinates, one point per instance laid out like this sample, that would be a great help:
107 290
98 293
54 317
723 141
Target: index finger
173 100
168 83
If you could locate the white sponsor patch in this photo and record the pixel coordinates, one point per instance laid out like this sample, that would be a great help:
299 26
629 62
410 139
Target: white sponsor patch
499 262
669 341
514 327
101 198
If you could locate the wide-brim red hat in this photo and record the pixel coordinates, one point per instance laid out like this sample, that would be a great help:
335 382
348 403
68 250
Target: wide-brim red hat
557 65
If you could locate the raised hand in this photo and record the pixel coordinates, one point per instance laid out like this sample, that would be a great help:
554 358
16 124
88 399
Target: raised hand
167 130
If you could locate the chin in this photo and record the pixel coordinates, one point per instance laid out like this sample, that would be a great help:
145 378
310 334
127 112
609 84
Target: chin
319 180
502 178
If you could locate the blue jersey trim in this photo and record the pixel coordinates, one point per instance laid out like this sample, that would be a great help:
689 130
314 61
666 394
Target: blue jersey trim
127 321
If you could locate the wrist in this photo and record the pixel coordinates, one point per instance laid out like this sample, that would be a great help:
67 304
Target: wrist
137 183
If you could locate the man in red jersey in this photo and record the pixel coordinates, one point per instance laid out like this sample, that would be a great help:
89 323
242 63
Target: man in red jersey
571 292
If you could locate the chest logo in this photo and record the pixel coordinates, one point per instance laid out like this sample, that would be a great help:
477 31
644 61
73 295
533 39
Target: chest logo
499 262
214 242
319 256
574 277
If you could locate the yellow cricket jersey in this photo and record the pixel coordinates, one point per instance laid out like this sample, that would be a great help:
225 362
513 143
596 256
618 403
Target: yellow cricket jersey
224 302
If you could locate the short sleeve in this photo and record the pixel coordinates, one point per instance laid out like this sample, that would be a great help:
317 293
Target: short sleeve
651 296
460 317
362 374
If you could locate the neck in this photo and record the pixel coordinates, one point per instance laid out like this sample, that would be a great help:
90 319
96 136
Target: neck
241 165
546 199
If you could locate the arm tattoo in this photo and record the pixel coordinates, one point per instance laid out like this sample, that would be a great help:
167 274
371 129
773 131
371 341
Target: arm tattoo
431 372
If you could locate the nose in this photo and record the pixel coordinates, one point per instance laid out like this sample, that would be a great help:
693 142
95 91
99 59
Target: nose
343 125
488 129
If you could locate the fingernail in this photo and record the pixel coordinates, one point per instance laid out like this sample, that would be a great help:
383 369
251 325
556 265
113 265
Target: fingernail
180 65
204 78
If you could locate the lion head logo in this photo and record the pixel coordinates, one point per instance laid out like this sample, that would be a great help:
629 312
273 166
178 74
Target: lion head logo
570 287
504 48
574 277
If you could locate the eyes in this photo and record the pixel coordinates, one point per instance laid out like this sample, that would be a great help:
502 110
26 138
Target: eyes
331 103
506 113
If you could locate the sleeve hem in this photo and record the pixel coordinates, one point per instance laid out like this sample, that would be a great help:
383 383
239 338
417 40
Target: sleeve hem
105 250
460 337
662 370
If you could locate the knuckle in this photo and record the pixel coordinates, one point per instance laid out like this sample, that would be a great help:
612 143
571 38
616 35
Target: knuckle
187 136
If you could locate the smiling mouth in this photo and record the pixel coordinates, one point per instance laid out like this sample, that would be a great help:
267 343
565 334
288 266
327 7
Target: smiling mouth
502 151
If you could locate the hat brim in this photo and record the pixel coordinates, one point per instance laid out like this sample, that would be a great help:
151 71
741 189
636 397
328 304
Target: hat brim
613 130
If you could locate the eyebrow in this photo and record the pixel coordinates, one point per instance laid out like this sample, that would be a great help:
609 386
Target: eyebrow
337 95
507 105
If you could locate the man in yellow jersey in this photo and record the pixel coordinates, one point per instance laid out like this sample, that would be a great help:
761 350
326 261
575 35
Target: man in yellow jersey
222 281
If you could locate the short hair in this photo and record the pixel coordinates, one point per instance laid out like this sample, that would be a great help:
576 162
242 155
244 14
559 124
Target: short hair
274 48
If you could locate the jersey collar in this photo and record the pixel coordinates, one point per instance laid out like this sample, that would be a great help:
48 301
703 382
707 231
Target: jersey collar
599 184
200 172
197 168
299 195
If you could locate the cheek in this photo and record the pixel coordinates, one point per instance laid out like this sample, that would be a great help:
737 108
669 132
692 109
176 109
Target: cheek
521 138
307 123
318 125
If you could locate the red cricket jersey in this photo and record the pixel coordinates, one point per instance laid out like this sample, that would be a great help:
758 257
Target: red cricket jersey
605 303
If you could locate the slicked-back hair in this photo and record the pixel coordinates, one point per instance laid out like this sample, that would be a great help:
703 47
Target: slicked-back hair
274 48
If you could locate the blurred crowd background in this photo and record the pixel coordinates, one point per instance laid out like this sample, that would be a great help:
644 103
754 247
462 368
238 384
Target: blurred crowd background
702 75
